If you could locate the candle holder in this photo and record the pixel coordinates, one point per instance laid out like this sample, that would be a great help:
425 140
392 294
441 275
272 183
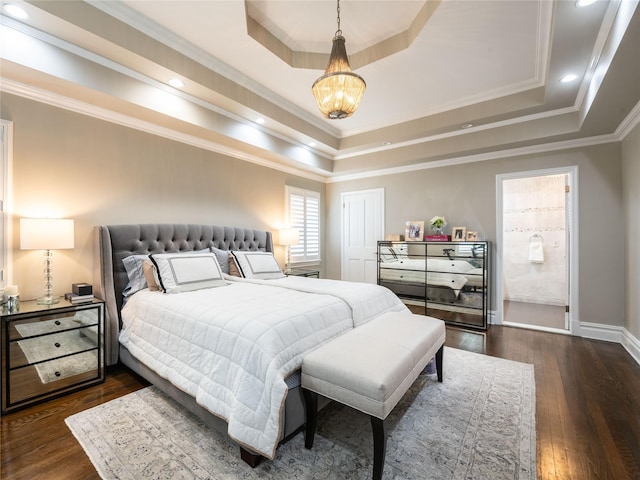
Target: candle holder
13 303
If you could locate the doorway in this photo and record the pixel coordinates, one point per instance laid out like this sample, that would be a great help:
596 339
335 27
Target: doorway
535 249
6 136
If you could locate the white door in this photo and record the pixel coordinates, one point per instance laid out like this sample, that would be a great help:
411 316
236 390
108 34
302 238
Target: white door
362 227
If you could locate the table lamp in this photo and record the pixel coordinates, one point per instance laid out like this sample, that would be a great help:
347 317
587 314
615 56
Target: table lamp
288 237
46 234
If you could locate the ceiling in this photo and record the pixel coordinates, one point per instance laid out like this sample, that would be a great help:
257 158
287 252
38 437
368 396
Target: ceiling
447 81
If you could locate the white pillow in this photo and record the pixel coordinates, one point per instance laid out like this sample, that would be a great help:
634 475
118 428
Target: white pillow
133 264
255 264
185 272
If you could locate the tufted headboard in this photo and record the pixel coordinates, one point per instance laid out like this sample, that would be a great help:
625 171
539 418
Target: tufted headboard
116 242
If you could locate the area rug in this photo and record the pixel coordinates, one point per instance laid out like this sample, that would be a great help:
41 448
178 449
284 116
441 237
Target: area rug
478 424
54 345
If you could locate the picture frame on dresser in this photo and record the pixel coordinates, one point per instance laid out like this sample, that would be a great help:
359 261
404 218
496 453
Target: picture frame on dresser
458 234
472 236
414 230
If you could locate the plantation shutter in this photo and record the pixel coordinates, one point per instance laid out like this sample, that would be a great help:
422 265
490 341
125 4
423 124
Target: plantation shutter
303 208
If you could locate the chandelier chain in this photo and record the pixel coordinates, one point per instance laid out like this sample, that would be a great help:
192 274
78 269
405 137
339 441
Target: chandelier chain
339 31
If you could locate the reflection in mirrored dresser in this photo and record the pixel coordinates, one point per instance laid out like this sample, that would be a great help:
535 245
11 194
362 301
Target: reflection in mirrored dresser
450 279
50 350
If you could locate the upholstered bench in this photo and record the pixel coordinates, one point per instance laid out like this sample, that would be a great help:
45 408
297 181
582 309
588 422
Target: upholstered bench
370 368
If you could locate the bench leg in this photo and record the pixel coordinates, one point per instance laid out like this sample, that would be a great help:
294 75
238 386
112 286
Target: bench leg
311 408
439 363
379 446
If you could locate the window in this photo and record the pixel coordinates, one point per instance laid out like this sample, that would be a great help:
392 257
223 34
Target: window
303 213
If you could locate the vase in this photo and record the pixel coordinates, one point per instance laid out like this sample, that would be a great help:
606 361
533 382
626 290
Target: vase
437 230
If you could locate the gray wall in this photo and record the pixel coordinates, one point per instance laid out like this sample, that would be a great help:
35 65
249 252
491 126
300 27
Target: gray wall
100 173
95 172
466 196
631 199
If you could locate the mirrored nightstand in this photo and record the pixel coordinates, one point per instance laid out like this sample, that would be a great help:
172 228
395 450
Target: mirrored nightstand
50 350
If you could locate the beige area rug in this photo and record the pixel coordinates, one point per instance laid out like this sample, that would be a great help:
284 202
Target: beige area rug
38 349
478 424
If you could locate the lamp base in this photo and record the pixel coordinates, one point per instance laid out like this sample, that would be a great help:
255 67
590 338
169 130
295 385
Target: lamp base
48 300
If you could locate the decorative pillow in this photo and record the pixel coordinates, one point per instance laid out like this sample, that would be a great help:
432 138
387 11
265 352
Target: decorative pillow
150 275
133 266
185 272
255 264
233 266
223 258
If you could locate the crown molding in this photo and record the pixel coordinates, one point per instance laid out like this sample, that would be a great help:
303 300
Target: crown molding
629 123
482 157
100 113
159 33
60 101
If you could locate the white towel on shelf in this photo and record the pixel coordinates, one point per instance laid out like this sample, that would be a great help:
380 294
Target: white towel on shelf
536 252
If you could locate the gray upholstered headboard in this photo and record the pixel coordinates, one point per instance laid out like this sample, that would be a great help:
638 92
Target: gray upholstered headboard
116 242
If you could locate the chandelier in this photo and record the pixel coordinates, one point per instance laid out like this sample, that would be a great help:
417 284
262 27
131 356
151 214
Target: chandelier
339 91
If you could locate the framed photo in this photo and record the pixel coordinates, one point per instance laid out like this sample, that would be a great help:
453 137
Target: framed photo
472 236
414 231
459 234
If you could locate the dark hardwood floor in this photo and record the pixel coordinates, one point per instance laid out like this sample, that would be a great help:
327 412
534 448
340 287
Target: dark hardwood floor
587 414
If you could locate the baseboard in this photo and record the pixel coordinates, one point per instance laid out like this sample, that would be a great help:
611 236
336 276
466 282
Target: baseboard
610 333
631 345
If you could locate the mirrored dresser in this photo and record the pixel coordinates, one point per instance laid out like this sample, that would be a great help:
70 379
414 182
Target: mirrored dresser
451 279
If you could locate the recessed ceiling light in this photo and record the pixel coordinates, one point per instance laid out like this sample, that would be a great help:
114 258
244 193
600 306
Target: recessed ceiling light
585 3
15 11
467 125
176 82
568 78
260 121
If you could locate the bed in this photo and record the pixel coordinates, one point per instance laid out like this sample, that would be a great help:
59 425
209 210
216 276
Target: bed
229 352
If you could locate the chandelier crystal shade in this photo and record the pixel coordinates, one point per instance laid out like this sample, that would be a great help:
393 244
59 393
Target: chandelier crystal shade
339 91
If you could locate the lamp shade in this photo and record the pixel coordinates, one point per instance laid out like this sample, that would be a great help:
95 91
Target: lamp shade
289 236
46 234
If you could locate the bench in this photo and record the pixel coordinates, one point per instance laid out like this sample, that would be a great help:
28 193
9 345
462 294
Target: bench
370 368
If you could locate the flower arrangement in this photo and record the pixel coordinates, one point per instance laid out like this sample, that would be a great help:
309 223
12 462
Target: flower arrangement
438 223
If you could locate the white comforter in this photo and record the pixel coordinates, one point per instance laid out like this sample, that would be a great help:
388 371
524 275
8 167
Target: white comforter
366 301
232 347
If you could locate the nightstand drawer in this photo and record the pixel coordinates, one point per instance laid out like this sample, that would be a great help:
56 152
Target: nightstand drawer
50 347
42 379
21 329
